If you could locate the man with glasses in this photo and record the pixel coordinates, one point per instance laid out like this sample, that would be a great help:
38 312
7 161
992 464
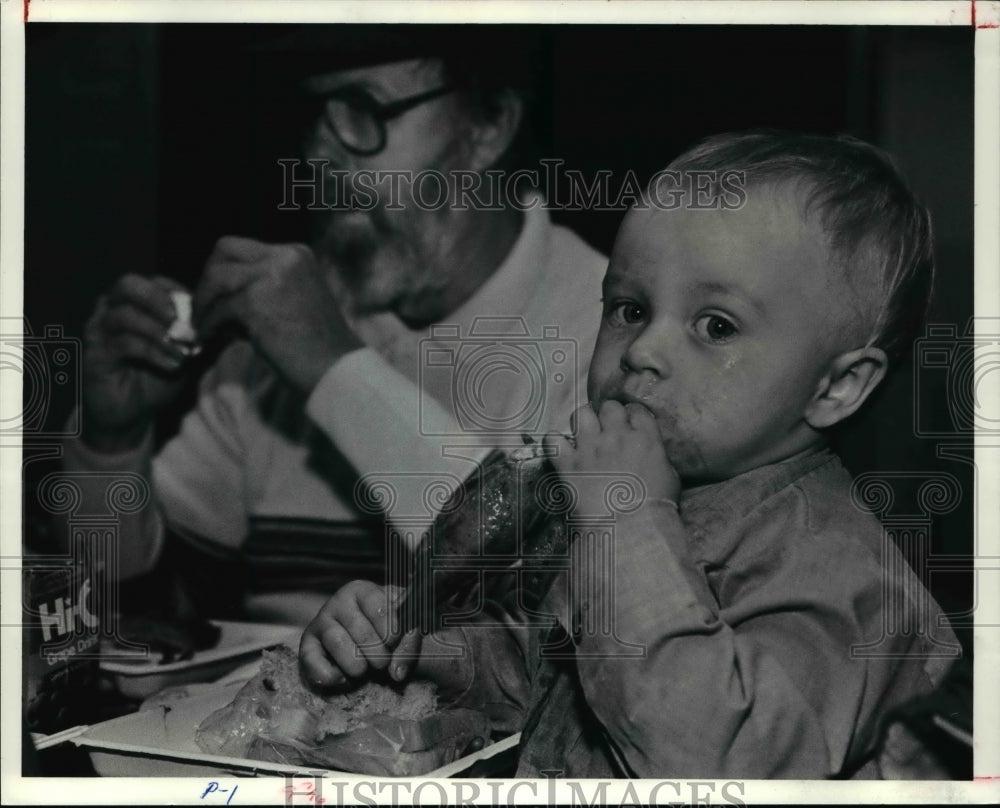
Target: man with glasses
363 352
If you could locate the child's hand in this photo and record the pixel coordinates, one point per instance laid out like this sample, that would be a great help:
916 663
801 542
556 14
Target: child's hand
618 440
355 631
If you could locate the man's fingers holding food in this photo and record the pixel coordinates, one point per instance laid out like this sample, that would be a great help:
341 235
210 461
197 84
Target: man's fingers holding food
137 349
151 294
124 319
237 266
239 249
221 294
155 308
242 248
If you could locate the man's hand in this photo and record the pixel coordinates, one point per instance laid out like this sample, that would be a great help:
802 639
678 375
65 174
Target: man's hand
278 294
618 440
357 630
130 369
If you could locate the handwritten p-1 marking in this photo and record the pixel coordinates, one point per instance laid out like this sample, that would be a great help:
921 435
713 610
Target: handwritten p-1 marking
213 787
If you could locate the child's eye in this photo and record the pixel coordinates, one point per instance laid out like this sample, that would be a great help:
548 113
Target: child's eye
715 328
625 312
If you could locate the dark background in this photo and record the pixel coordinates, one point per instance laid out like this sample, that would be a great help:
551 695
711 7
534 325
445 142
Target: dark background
145 143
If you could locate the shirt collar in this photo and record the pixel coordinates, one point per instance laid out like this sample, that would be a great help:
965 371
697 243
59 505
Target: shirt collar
508 290
516 280
711 512
708 509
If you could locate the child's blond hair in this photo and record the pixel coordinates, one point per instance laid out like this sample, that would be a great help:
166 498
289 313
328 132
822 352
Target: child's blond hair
877 229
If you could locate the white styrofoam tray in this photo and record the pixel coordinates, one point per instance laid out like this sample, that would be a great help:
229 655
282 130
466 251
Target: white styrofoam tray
160 742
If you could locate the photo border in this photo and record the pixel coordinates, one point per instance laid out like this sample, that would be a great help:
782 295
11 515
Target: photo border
985 17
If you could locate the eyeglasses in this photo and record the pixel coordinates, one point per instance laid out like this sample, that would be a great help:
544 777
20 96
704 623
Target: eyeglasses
358 120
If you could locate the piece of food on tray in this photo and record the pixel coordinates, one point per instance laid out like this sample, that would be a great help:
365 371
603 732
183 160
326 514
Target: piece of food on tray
385 729
161 609
169 696
175 639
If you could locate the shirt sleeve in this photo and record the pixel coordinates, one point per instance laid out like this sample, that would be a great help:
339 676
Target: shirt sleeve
390 430
494 664
772 693
199 474
196 480
140 533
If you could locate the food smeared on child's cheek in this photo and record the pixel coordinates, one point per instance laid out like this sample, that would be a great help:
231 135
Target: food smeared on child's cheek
682 450
708 415
687 459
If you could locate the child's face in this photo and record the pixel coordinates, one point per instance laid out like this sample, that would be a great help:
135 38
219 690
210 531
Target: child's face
723 324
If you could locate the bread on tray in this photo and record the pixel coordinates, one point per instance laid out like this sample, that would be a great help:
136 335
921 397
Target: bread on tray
378 728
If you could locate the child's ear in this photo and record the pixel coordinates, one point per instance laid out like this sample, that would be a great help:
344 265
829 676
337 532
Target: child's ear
851 379
493 135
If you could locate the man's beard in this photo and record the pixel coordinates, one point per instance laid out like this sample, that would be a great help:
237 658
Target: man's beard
379 263
348 245
383 262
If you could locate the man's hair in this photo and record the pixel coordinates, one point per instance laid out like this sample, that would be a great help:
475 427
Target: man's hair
490 61
877 229
483 61
494 62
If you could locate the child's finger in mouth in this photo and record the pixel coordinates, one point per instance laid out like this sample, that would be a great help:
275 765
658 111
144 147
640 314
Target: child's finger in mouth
639 413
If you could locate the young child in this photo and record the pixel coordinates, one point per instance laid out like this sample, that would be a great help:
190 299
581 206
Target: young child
749 594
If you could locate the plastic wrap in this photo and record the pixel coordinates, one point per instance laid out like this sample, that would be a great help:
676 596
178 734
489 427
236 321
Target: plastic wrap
380 729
